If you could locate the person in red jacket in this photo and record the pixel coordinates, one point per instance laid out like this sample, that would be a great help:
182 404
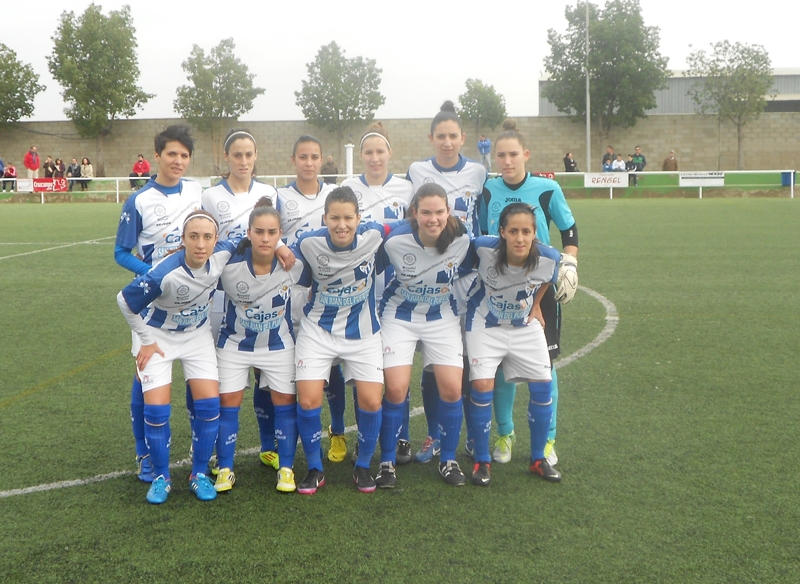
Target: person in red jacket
32 162
141 168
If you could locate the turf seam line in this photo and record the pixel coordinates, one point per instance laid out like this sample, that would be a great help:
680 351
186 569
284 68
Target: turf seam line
19 255
612 319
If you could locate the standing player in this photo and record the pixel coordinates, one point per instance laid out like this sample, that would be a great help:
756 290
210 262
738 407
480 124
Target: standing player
230 202
167 309
340 324
504 326
302 206
257 333
546 196
463 181
418 308
150 226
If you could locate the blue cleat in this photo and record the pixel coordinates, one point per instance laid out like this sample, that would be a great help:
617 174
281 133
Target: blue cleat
144 469
159 490
202 487
430 449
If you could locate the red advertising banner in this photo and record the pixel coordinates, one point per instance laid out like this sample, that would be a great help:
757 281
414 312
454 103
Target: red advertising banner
550 175
49 185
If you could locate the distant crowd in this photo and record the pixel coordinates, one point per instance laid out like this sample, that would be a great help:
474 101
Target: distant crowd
614 162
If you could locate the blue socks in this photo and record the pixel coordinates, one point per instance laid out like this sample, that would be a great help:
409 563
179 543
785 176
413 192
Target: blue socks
286 433
205 428
335 393
228 432
189 403
430 401
137 417
265 414
390 429
480 423
539 416
157 433
369 426
309 426
449 426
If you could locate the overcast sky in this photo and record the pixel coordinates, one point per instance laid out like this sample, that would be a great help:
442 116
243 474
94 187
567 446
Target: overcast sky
427 49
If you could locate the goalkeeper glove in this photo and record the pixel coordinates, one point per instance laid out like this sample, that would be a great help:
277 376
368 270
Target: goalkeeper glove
567 281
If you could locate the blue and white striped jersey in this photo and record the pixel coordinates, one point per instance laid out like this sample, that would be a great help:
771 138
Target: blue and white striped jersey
506 298
422 283
232 212
258 312
299 213
387 203
174 297
463 184
342 294
152 218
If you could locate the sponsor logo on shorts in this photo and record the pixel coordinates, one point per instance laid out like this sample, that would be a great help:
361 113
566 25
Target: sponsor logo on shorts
300 365
223 206
388 351
474 362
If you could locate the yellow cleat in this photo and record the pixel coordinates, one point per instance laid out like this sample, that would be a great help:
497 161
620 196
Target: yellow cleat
286 480
338 446
225 480
270 458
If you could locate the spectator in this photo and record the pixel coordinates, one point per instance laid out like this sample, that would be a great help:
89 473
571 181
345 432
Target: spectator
73 171
569 164
10 177
670 163
31 162
618 165
607 165
2 168
639 159
329 168
609 155
87 174
59 168
630 166
141 168
49 167
485 149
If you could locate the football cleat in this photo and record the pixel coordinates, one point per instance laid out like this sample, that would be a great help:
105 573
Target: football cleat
502 451
337 451
364 481
430 449
481 474
225 480
403 455
550 452
159 490
451 473
386 477
270 458
144 469
286 480
545 470
202 487
309 485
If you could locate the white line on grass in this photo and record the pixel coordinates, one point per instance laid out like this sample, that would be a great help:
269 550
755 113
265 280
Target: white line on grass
45 242
612 319
19 255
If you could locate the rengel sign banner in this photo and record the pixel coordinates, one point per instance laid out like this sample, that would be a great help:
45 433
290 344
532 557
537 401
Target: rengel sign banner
595 180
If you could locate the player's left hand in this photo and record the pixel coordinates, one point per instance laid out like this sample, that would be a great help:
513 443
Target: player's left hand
567 282
536 314
285 257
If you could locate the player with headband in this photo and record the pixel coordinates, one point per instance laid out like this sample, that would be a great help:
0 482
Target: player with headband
418 309
150 227
516 184
504 326
302 206
167 308
463 180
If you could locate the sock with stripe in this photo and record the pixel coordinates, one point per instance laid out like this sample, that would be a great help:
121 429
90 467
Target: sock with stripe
205 428
157 434
309 426
450 420
369 426
540 410
391 423
286 433
480 423
228 433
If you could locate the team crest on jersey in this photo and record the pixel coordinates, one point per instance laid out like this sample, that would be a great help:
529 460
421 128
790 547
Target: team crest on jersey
395 209
183 290
126 217
409 259
450 269
223 206
285 293
358 195
428 180
491 272
242 287
160 210
496 207
323 260
291 205
145 287
530 290
366 267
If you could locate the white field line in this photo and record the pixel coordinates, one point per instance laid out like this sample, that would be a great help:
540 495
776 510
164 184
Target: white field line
19 255
612 319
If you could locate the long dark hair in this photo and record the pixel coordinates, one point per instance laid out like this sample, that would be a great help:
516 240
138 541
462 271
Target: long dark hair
502 248
263 207
454 228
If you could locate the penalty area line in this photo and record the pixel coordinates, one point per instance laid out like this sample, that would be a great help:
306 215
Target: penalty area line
27 253
612 319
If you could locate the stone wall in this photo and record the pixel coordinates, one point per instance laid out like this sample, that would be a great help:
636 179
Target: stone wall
700 143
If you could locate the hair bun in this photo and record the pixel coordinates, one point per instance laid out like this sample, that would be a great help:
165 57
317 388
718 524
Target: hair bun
448 106
509 124
264 202
375 126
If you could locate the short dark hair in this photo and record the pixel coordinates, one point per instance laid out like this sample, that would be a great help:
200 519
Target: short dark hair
341 195
175 133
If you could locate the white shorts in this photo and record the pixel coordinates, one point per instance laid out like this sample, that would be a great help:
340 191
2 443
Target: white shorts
316 351
195 351
440 342
277 369
522 351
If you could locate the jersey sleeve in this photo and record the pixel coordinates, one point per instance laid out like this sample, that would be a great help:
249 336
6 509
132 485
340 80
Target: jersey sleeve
130 225
562 217
142 291
124 257
305 278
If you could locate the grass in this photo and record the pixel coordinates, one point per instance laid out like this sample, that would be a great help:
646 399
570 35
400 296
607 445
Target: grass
676 436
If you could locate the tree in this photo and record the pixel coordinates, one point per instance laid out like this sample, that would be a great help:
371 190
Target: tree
625 66
18 88
94 59
735 82
340 92
482 105
221 91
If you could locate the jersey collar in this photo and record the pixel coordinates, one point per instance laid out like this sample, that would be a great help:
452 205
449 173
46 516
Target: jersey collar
462 162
